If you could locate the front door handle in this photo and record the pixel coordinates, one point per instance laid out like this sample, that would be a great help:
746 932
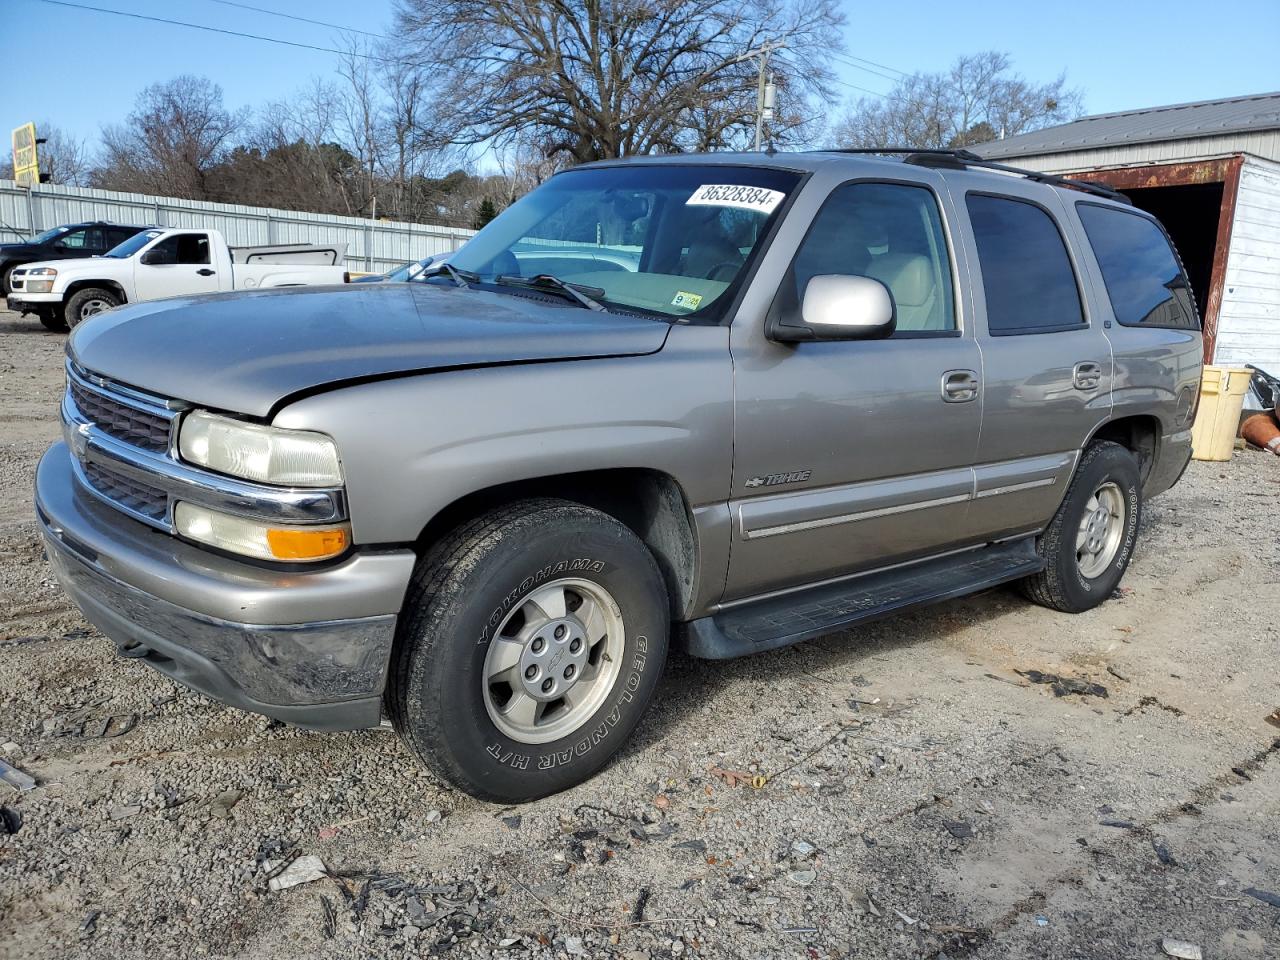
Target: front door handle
1086 375
205 272
960 386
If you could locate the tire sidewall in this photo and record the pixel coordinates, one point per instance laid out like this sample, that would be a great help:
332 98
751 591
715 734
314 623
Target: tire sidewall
1109 464
453 718
74 305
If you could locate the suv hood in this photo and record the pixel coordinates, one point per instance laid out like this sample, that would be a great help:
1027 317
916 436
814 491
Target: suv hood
247 352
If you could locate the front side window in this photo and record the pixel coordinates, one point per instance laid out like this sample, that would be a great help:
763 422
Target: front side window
1145 282
892 233
128 248
665 239
181 248
1027 276
75 239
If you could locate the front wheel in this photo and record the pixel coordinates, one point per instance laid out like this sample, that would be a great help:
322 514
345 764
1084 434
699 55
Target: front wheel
52 321
530 646
1087 545
87 303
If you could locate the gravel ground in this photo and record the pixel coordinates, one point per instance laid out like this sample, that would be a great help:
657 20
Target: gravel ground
921 798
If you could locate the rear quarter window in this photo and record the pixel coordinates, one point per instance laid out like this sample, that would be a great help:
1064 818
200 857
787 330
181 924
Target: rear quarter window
1145 282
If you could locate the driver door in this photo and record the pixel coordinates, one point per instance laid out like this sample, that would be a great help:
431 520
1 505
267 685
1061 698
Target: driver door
176 266
853 455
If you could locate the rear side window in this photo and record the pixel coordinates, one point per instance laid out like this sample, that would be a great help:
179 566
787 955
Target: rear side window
1027 276
1144 280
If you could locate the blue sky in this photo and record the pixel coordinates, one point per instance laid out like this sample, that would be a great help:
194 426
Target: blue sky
85 68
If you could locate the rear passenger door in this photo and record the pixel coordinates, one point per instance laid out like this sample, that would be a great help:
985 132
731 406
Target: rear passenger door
1046 362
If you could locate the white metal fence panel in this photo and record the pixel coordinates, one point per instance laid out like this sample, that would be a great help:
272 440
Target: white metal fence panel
371 244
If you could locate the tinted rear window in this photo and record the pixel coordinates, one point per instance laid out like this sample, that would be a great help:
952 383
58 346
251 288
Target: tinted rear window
1144 280
1026 274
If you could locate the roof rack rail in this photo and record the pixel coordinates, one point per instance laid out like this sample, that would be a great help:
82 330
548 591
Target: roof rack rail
963 159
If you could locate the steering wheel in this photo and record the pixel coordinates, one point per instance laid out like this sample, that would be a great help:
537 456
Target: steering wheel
730 265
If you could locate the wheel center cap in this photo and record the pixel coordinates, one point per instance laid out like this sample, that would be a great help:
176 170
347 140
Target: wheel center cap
553 659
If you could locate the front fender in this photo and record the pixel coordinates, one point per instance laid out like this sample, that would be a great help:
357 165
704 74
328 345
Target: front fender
412 446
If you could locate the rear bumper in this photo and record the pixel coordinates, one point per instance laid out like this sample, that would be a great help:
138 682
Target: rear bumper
307 647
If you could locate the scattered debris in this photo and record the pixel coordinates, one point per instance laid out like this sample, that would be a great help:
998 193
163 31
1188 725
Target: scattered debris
662 801
1264 895
803 848
1062 686
1041 920
124 812
806 931
299 871
694 846
1120 824
1116 673
20 780
909 921
804 877
330 917
220 806
512 823
1162 852
958 829
642 901
1273 717
10 820
1241 773
90 925
108 727
732 778
434 816
1149 701
1181 949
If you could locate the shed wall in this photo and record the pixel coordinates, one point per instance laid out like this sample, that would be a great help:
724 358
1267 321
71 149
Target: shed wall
1249 318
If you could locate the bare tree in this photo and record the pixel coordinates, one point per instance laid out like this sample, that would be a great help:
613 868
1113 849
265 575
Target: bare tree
979 98
609 78
176 135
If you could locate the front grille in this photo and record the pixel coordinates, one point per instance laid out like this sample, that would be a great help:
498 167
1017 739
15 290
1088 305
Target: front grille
127 493
120 420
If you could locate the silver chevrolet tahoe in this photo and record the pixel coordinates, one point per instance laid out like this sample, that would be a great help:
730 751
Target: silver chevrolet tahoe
725 402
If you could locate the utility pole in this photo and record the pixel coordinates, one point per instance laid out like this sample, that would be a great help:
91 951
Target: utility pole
764 91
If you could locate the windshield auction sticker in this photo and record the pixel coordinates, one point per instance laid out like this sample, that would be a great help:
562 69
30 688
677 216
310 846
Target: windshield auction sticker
743 198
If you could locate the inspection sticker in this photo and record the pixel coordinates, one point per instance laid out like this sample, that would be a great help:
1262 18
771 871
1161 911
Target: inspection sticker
743 198
687 301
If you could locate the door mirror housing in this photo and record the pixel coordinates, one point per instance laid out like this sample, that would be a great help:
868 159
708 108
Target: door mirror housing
840 307
150 257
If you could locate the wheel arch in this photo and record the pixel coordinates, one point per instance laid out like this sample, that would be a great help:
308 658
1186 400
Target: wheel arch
1138 433
77 285
649 502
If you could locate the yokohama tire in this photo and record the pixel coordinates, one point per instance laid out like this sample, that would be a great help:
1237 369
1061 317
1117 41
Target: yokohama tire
1106 470
467 591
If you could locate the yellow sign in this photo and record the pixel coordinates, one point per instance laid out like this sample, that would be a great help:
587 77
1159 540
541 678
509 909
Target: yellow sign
26 164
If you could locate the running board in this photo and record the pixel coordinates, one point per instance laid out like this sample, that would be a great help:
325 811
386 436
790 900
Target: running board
794 617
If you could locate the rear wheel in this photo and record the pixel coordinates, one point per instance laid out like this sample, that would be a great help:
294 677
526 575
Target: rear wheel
1087 545
87 303
5 289
531 643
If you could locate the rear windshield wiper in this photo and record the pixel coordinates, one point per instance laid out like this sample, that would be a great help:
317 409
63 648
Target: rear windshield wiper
463 278
578 292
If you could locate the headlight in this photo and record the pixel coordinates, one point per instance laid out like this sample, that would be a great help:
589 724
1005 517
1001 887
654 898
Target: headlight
42 272
293 458
253 538
39 286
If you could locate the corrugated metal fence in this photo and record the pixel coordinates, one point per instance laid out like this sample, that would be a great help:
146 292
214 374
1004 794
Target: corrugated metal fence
371 244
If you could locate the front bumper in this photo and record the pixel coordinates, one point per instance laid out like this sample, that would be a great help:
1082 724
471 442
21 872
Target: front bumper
32 302
309 647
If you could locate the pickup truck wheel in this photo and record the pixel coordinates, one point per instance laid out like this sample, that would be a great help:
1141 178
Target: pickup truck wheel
5 289
87 303
52 321
530 645
1087 545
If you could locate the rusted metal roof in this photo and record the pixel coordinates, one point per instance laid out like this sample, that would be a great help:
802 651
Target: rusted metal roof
1180 121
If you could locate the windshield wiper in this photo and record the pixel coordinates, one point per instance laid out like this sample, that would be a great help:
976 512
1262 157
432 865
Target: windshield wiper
579 293
463 278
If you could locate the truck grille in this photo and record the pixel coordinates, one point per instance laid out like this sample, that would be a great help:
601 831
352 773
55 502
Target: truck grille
124 492
125 423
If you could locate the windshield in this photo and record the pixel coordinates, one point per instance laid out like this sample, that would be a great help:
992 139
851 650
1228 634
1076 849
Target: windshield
663 239
50 235
133 244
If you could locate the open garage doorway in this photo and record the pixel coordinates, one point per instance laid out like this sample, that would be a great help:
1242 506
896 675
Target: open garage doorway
1196 203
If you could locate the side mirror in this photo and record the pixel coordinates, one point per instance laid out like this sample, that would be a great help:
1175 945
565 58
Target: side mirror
839 307
150 257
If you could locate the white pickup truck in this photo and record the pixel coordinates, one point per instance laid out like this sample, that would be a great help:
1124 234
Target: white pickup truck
160 263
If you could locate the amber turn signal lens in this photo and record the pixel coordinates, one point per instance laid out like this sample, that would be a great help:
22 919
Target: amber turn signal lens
303 544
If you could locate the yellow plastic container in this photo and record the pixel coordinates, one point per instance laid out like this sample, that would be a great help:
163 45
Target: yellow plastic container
1222 391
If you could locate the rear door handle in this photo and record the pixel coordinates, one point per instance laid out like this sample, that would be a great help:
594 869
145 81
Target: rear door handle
1087 375
960 386
205 272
